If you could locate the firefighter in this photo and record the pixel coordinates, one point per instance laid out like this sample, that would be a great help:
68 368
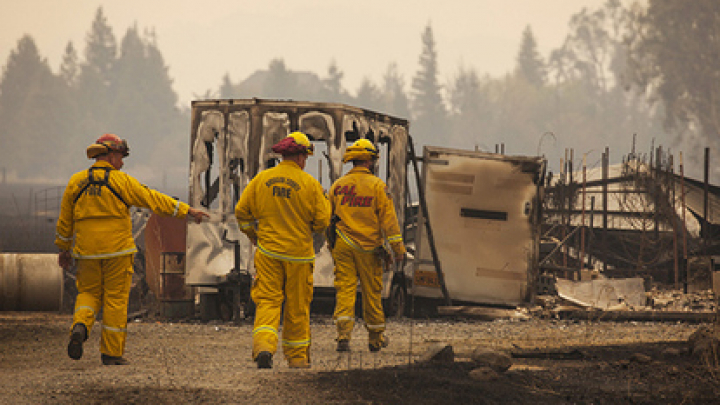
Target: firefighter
279 210
95 229
366 220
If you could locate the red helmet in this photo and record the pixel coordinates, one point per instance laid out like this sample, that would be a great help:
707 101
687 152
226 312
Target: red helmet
106 144
295 143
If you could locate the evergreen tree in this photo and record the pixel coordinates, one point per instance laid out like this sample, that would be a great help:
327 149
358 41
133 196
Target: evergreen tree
29 100
227 89
395 99
144 103
95 100
101 48
333 84
69 128
280 82
470 109
368 95
69 69
430 116
530 64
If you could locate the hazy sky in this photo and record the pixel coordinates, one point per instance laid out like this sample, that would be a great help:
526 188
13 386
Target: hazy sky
201 41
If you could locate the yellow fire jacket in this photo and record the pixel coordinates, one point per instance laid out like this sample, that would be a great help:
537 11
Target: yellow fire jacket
366 211
94 213
281 207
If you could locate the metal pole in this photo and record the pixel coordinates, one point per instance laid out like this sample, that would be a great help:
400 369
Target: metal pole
706 207
566 202
675 224
684 224
605 170
582 216
431 239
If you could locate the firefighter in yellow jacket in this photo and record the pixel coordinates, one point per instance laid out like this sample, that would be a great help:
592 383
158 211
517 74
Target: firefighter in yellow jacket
279 210
95 229
365 218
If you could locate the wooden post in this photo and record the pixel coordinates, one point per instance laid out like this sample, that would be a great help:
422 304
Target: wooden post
605 174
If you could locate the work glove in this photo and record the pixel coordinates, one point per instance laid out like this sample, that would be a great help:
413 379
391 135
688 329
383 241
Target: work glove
65 259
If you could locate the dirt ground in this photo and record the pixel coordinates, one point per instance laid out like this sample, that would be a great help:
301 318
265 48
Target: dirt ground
574 362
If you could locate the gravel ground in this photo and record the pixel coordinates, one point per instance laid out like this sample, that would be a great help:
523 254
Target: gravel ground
192 362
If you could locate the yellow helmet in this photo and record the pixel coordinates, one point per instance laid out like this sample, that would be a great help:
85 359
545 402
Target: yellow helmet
362 149
106 144
295 143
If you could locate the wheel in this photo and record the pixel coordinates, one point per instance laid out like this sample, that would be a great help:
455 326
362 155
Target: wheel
397 302
226 311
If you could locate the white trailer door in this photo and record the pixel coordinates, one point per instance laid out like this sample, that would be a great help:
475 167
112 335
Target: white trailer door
480 208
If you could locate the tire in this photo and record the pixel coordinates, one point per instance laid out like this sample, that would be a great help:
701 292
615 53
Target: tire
226 311
397 302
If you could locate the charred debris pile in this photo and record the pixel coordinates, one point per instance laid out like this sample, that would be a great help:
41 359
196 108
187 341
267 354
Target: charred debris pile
638 235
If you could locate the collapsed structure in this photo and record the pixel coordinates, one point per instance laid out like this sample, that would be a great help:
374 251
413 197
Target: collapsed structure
638 218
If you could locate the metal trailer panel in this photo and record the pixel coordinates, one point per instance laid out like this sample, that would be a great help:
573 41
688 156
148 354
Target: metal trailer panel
31 282
483 212
231 141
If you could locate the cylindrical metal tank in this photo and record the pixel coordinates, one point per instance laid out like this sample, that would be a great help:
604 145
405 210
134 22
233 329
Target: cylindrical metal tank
30 282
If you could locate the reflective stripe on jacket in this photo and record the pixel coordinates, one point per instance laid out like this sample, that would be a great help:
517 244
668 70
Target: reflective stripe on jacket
283 205
97 224
366 211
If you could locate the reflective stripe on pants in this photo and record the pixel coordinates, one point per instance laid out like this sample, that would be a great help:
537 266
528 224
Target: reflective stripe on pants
279 282
352 265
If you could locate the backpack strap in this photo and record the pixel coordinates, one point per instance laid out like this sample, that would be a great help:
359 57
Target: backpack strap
100 183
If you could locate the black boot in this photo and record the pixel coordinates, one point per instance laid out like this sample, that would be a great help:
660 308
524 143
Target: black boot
77 337
264 360
343 345
113 361
376 346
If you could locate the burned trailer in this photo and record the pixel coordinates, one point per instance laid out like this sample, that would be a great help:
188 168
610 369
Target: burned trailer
484 211
231 142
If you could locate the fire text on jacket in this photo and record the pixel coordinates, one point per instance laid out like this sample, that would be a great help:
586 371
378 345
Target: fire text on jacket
351 199
277 184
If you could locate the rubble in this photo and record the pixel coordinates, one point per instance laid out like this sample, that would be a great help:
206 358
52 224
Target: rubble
705 345
486 357
438 353
575 300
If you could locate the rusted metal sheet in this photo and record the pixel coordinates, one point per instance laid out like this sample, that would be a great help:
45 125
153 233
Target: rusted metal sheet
165 258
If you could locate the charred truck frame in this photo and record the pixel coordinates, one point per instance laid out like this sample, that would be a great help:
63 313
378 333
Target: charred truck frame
231 141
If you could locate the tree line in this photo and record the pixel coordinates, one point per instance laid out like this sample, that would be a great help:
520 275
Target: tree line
647 70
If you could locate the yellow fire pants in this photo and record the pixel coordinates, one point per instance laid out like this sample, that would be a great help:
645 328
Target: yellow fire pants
277 282
351 264
105 283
